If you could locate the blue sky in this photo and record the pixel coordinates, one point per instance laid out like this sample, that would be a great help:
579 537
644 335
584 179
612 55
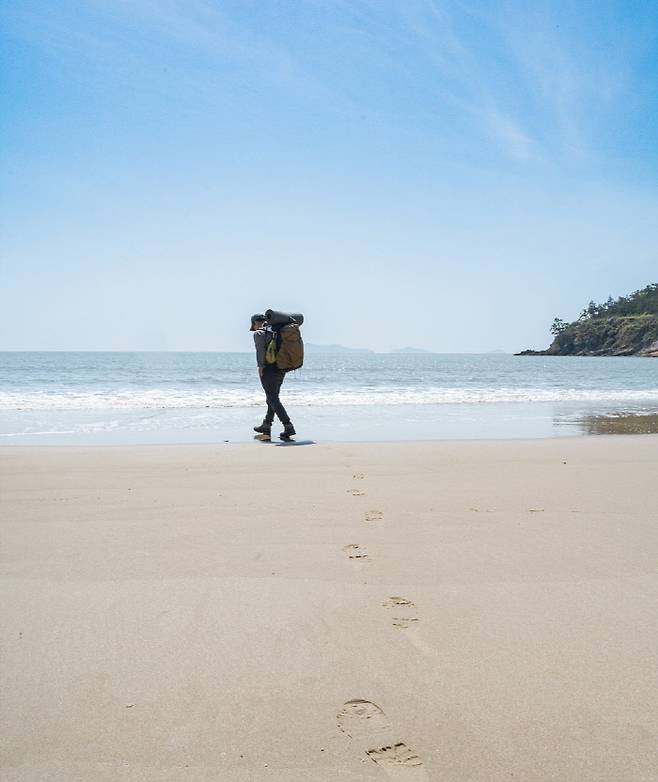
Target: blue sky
450 175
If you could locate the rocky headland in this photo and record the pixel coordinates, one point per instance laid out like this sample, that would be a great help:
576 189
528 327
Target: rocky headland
627 326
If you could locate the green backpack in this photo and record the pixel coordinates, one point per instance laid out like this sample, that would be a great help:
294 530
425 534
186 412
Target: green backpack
270 350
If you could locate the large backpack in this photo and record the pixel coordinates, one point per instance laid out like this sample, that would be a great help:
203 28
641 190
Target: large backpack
289 342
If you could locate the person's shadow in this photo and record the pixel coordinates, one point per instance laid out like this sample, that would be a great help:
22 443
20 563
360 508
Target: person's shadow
265 439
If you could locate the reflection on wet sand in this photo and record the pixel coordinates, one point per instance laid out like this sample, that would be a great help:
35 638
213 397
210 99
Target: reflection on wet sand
619 424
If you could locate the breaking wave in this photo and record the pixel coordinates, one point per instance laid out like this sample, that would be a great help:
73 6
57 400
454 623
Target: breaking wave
176 399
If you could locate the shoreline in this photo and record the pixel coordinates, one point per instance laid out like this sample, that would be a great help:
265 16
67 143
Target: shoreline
300 442
484 608
373 424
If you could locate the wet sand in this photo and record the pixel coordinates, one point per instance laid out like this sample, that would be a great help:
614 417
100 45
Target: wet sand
619 424
476 611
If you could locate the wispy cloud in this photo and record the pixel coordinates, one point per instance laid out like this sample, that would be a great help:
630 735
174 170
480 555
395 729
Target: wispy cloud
505 130
527 81
190 48
572 62
554 74
464 72
536 77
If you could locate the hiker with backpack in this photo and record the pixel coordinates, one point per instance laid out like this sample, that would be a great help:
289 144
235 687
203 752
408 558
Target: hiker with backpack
279 348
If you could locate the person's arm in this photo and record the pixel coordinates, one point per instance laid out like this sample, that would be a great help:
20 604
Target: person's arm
259 342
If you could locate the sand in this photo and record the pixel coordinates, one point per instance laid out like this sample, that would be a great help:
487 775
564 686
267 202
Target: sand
474 611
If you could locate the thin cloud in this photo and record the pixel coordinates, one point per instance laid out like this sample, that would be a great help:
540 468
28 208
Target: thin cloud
519 80
551 69
536 77
576 64
192 50
466 75
507 132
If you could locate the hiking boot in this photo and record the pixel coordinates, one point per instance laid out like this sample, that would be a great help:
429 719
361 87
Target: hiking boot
288 432
264 428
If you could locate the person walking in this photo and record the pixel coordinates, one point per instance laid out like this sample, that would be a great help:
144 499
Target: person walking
271 378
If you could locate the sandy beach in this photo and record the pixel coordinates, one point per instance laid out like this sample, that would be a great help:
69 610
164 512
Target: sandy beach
445 611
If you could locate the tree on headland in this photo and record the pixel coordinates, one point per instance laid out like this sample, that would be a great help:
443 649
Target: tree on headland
558 326
640 302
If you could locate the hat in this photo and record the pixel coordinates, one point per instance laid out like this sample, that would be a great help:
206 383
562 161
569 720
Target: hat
254 318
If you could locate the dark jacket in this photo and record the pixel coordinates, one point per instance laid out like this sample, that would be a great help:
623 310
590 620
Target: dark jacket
261 339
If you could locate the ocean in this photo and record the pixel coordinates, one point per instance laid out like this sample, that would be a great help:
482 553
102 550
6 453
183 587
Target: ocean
58 398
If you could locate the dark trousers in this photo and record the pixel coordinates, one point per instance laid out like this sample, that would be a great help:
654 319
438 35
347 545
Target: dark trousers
271 381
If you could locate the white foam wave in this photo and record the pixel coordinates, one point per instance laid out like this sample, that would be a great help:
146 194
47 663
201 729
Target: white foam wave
168 399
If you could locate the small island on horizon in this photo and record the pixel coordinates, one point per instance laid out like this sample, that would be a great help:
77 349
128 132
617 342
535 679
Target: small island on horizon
411 350
627 326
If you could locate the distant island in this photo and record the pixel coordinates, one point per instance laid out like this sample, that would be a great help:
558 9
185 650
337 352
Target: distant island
627 326
410 350
335 349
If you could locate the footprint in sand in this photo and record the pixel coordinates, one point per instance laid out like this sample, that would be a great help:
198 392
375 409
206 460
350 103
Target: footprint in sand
361 718
374 515
405 618
356 492
354 551
403 621
366 723
405 611
396 602
394 758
